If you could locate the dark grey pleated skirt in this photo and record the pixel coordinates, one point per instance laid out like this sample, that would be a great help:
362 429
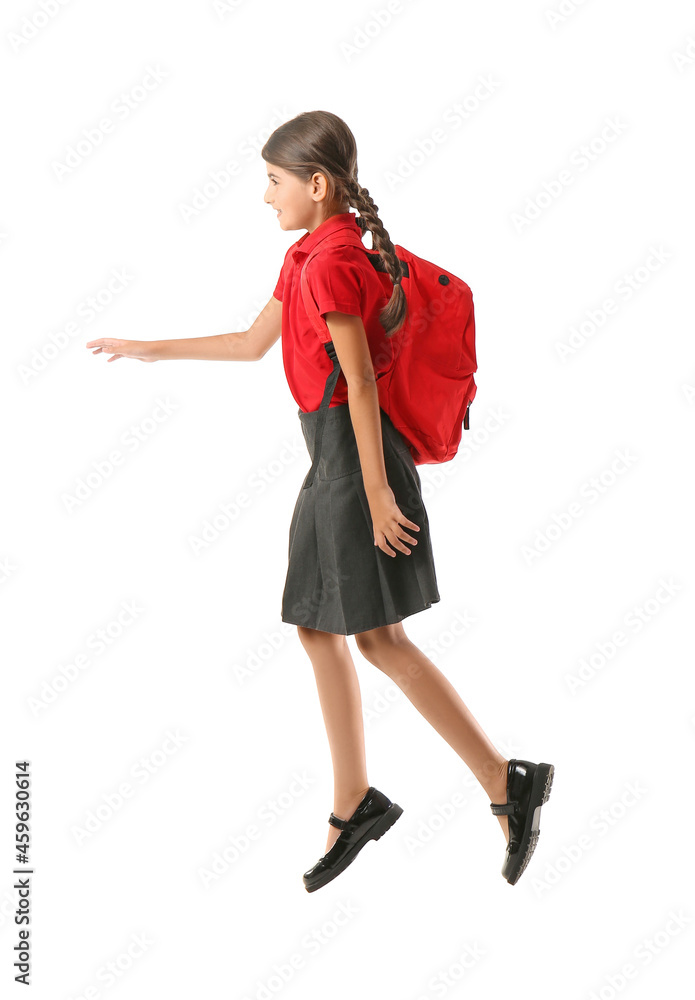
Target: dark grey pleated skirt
337 579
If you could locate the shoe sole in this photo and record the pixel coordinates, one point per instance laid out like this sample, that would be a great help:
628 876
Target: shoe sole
540 792
380 827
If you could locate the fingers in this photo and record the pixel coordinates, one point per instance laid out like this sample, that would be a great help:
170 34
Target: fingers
106 345
397 544
396 540
106 350
400 533
388 551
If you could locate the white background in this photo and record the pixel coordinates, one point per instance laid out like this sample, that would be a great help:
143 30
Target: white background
613 863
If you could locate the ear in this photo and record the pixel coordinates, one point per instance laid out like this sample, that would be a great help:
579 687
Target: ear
319 186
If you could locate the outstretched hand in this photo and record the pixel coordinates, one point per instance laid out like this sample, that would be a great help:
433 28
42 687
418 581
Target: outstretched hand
142 350
389 522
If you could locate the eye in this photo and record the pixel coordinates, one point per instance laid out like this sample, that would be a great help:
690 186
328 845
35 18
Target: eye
273 181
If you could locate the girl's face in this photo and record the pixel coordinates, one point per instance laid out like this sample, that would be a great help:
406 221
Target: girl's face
299 204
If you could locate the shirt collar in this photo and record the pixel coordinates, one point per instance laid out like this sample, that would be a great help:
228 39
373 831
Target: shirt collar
336 223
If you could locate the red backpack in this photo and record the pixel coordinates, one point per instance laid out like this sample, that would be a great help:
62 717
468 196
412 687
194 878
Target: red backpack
433 350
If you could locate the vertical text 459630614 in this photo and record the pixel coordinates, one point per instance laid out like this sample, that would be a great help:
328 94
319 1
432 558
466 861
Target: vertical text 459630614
22 913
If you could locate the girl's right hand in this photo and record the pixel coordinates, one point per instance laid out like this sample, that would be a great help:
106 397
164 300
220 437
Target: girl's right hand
143 350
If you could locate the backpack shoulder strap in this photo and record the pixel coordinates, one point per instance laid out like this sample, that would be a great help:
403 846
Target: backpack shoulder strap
320 326
321 419
309 304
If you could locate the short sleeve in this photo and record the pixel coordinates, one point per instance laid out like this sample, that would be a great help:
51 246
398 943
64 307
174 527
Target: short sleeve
336 282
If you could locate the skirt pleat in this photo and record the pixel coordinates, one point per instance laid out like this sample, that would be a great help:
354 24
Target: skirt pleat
337 579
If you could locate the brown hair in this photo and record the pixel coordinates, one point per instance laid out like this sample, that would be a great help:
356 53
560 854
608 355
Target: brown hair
320 141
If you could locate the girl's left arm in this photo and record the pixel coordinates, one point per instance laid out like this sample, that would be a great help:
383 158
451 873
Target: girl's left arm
350 342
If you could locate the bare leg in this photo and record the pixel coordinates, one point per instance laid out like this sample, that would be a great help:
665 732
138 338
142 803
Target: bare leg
438 701
341 705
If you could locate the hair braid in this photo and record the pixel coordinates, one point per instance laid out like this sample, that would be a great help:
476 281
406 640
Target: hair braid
394 313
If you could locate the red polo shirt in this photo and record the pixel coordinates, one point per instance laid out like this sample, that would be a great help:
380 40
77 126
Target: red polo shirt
341 279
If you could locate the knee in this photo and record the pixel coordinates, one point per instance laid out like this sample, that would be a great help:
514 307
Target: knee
377 644
369 648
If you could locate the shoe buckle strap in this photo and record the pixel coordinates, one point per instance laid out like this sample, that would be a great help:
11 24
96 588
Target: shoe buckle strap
341 824
504 809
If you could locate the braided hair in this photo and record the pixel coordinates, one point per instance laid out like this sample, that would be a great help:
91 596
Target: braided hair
321 141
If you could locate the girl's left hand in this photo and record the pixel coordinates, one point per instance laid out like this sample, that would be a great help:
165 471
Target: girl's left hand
389 522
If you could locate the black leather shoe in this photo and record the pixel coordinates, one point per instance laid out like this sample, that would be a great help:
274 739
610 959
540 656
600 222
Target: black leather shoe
528 787
373 817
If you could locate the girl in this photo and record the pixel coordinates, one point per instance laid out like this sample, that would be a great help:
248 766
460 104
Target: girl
360 556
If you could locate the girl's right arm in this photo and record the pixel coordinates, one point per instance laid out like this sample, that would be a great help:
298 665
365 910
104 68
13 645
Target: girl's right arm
249 345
